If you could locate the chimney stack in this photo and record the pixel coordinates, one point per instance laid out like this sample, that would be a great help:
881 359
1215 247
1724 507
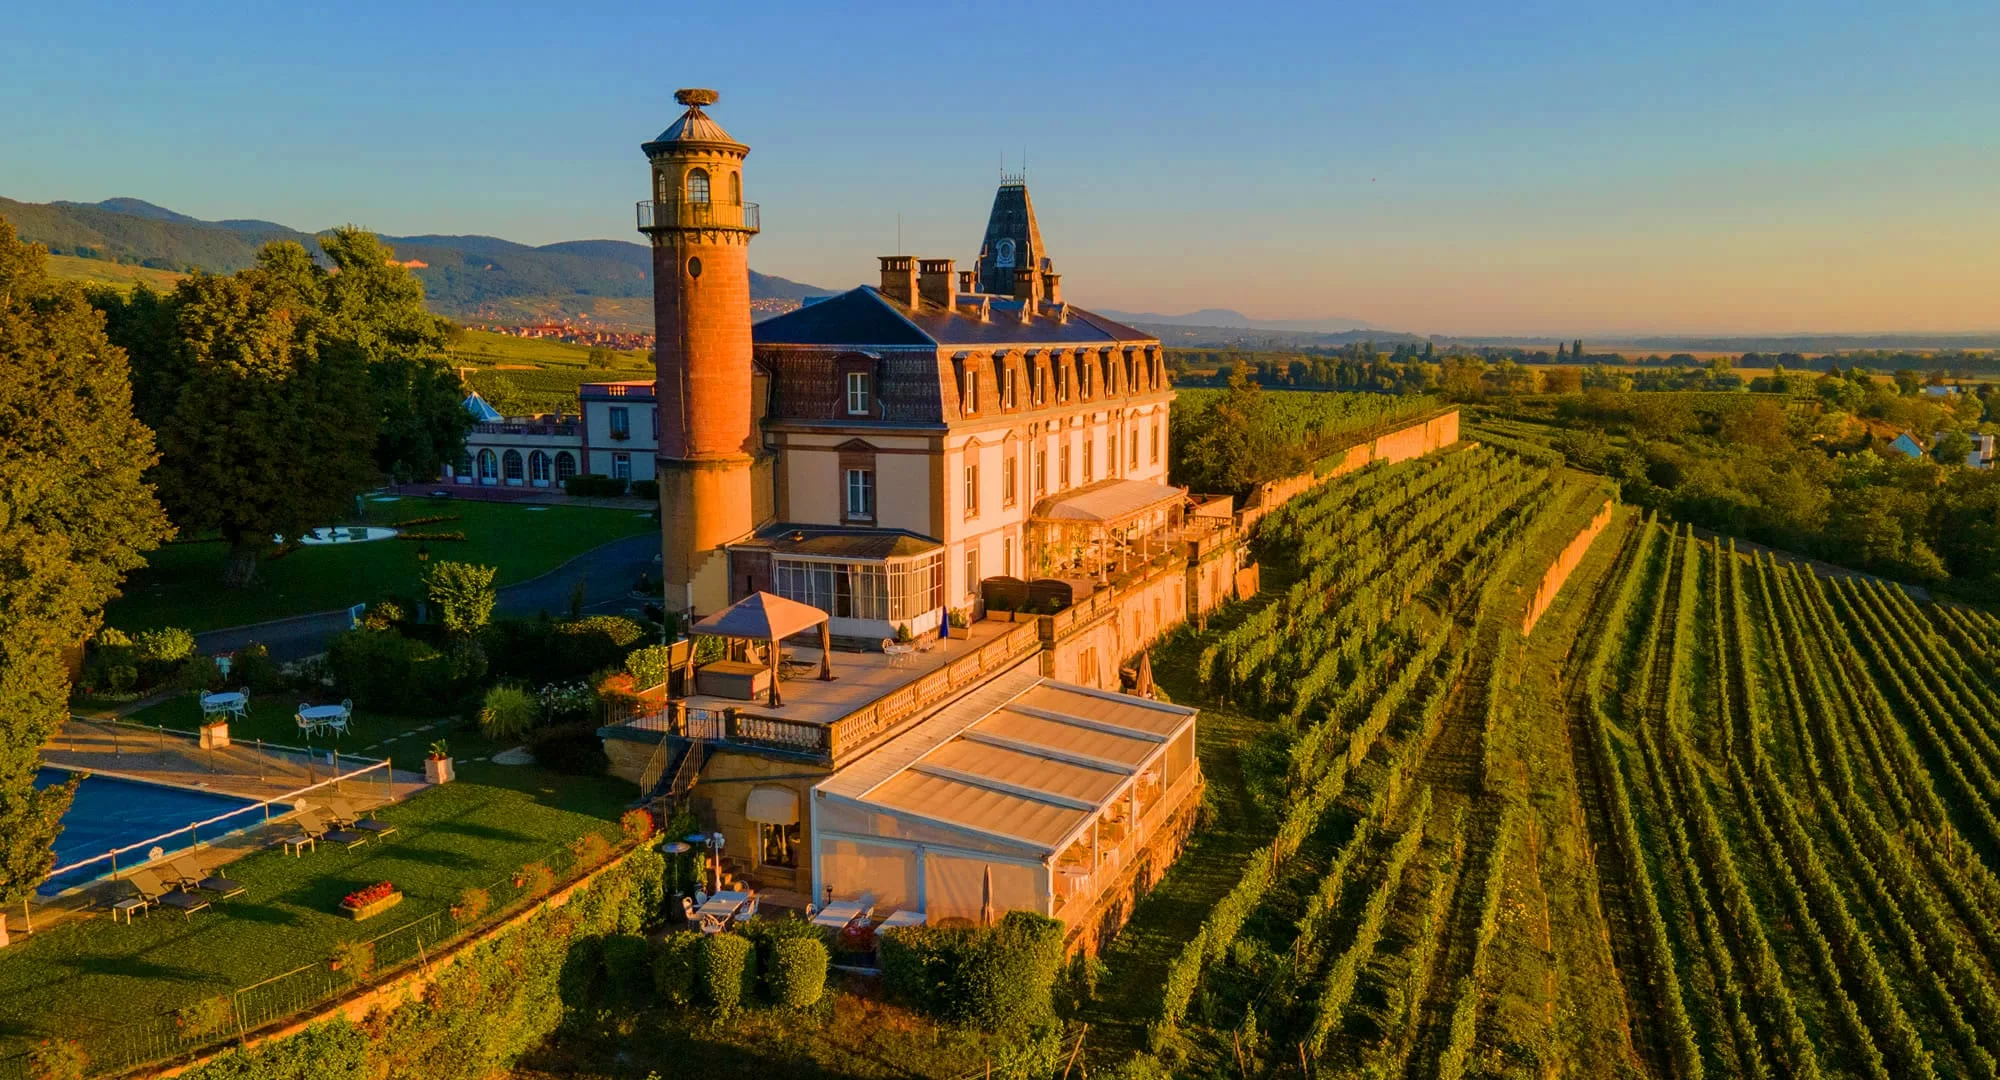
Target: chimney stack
965 281
899 279
1027 287
935 283
1052 286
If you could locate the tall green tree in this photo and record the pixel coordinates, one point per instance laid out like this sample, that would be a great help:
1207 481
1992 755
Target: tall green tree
281 392
464 594
75 514
262 433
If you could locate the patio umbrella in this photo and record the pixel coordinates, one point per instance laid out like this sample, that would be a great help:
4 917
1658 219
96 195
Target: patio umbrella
986 897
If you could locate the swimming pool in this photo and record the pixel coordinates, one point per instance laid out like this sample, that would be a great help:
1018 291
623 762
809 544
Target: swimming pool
110 812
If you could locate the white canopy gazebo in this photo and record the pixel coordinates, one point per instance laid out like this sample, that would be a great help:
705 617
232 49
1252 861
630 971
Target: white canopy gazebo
768 617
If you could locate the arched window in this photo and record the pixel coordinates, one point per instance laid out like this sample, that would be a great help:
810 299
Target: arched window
489 467
736 188
511 463
697 185
1004 254
662 188
464 469
565 466
538 467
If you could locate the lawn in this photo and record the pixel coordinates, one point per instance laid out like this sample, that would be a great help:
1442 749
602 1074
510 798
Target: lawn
404 740
84 978
182 585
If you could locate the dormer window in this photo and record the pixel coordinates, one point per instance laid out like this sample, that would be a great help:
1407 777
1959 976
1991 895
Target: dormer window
857 393
1003 255
1007 387
969 394
697 186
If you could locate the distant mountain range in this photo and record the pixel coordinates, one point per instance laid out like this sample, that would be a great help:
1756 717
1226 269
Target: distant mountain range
472 278
1228 319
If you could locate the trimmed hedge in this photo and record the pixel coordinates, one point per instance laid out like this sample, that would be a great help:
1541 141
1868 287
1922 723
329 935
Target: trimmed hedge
726 969
1001 978
646 489
648 666
797 972
675 967
592 484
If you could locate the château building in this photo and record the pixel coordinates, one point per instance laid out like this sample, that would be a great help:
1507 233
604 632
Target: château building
959 460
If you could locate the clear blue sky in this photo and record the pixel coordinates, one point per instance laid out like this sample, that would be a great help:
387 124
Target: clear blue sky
1565 168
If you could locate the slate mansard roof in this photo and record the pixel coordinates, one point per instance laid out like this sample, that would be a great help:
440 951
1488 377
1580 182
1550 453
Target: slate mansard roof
863 317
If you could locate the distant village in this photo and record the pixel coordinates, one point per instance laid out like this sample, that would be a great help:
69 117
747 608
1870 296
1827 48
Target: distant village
596 336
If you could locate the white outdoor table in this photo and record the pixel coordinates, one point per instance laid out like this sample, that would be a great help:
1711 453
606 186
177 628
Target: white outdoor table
324 715
724 905
228 702
837 915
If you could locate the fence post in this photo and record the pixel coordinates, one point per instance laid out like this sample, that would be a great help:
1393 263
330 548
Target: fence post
260 761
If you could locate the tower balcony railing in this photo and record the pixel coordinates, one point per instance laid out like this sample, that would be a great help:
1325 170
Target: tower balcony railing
686 213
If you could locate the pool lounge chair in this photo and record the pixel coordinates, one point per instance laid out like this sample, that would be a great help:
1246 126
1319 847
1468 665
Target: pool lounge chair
317 828
194 877
344 815
156 891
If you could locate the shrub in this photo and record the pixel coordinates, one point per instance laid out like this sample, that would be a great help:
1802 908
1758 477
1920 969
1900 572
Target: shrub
254 668
567 701
637 825
472 903
164 645
597 641
535 879
382 669
1001 978
628 967
464 595
650 489
590 849
676 968
207 1017
572 749
797 972
57 1059
198 674
648 666
592 484
508 713
383 615
726 967
335 1050
354 959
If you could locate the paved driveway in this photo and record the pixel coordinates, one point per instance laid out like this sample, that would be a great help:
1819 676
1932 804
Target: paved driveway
607 574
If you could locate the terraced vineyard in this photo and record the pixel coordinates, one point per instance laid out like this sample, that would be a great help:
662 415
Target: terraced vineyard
1797 776
1370 934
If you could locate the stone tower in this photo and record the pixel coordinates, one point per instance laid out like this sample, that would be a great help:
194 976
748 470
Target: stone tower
1013 240
701 229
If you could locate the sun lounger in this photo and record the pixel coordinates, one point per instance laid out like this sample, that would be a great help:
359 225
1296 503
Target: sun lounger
194 877
156 891
314 826
344 815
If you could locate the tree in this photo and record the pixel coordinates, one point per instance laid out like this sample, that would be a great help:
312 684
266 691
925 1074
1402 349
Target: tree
1951 448
75 514
262 433
464 595
373 306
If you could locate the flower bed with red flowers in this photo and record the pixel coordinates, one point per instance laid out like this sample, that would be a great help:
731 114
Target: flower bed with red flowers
372 900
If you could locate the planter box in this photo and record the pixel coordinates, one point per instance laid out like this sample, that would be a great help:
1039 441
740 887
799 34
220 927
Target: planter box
372 909
438 770
214 736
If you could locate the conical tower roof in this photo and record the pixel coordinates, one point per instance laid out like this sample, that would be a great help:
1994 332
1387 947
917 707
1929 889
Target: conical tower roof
1013 239
694 127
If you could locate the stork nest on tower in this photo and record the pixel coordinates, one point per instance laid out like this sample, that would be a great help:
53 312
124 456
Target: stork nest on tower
696 97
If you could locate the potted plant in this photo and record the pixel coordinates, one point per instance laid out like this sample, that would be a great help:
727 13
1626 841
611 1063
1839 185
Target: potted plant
961 623
214 734
903 635
371 901
437 766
